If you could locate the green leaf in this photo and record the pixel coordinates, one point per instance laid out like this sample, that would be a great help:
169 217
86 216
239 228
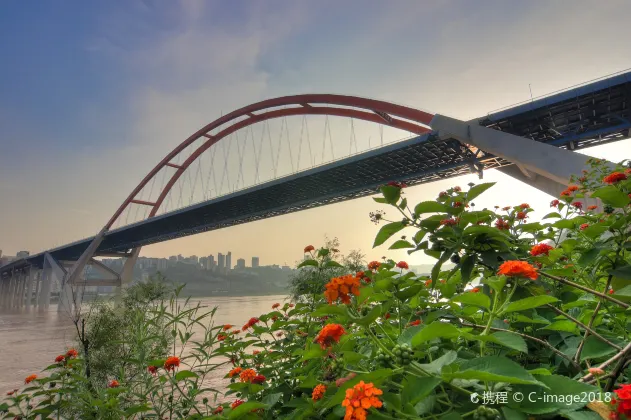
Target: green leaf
560 395
374 313
331 264
496 283
594 231
582 415
183 374
436 366
330 310
380 200
466 267
409 333
510 340
612 196
622 272
563 325
475 299
476 190
553 215
403 204
563 224
391 194
245 408
312 263
430 207
529 303
492 368
386 232
136 409
415 389
418 236
434 330
401 244
271 399
595 349
511 414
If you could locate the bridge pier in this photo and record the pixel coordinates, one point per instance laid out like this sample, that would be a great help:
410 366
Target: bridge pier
29 288
45 288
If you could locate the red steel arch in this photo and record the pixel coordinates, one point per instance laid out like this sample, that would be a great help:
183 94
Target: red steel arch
409 119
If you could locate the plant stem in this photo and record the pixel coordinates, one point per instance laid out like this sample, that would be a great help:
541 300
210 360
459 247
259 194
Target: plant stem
586 289
580 324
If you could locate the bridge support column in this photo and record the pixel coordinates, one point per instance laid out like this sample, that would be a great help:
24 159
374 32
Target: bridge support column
4 283
542 166
44 293
12 291
127 274
20 290
29 288
36 288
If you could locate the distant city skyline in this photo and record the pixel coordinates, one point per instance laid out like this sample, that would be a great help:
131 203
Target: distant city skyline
124 82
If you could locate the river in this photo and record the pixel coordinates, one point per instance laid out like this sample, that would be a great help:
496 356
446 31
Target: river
30 341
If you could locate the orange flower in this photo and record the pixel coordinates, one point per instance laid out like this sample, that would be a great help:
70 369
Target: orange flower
291 305
276 305
360 398
247 375
592 207
221 337
60 358
554 203
227 327
318 392
309 248
614 177
457 189
596 371
457 204
30 379
577 204
236 403
475 290
524 206
152 369
235 332
113 384
611 291
341 287
71 354
251 322
413 323
171 363
329 334
428 283
442 194
502 224
566 193
584 226
255 352
235 371
218 410
449 222
572 188
518 269
373 265
403 265
541 249
521 215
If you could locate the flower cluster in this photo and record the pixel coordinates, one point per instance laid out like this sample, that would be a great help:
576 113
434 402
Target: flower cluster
342 287
360 398
331 333
252 321
518 269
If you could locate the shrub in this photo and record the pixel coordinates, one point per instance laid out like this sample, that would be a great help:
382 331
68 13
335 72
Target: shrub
531 322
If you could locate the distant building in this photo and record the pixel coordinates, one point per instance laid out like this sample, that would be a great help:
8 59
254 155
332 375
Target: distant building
194 259
22 254
211 262
180 257
285 267
173 258
255 262
229 261
220 261
240 264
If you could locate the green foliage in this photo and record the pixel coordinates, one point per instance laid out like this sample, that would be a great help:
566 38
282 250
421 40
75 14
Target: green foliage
527 310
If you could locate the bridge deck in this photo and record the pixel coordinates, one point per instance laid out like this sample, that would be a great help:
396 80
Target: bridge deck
580 117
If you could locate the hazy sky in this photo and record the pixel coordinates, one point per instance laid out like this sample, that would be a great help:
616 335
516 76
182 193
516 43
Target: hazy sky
94 94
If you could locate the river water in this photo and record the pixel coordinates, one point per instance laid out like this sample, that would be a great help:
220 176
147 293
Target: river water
30 341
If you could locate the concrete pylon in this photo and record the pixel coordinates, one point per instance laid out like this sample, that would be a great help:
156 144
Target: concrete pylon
540 165
29 288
